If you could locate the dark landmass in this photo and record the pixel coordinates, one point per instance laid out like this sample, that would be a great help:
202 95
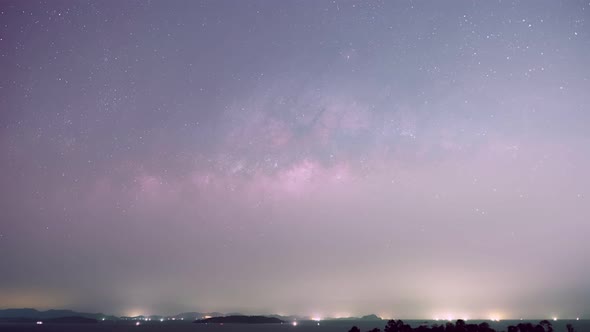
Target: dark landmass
17 320
288 318
239 319
189 316
59 320
49 314
71 320
33 315
196 315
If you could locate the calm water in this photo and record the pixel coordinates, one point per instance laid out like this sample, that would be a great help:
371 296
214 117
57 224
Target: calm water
333 326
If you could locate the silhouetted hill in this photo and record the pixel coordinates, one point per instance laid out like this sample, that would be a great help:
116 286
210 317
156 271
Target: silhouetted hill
17 320
289 318
19 313
367 317
59 320
49 314
238 319
196 315
71 320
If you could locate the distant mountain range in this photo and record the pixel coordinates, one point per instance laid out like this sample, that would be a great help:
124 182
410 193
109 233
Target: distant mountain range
59 320
33 314
28 313
367 318
240 319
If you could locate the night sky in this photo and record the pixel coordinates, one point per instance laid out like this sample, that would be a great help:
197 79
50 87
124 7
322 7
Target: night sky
327 158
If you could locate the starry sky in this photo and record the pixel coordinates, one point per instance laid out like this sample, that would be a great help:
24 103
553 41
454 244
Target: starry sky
328 158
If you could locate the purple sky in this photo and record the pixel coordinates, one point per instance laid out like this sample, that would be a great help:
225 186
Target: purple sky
327 158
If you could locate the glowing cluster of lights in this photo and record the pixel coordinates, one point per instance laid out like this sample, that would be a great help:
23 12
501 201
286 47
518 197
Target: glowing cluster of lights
39 323
450 318
495 317
137 323
294 323
147 319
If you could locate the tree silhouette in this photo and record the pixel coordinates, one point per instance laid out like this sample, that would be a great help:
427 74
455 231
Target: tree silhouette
472 327
438 328
539 328
525 327
484 327
461 326
391 326
422 328
546 325
394 326
450 327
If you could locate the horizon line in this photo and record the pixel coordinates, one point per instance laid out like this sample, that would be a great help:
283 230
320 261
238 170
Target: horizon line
313 317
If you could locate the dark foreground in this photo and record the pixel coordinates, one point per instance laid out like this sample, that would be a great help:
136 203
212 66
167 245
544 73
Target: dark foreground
307 326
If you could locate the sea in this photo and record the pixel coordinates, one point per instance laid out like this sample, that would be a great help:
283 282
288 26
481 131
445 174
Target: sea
303 326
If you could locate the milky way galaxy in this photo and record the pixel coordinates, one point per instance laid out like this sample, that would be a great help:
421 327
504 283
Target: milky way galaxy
325 158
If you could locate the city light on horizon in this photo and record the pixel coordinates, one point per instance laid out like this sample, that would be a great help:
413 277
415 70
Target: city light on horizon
495 319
